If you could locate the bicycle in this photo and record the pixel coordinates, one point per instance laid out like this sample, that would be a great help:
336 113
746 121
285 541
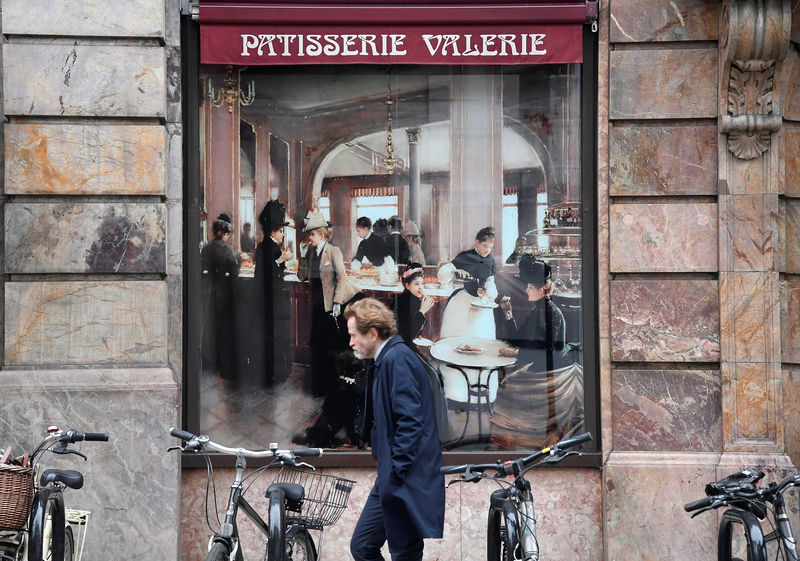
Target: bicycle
34 524
748 504
299 501
511 528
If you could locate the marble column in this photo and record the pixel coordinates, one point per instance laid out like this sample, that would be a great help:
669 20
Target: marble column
413 175
754 41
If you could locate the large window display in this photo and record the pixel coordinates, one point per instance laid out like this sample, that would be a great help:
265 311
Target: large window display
453 194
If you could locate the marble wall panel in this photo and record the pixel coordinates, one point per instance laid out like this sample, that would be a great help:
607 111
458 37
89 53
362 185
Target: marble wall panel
791 233
132 485
791 413
92 18
681 20
791 159
85 159
650 84
749 317
85 238
667 410
748 413
662 160
665 320
790 323
85 322
749 236
77 80
644 496
663 237
568 517
791 82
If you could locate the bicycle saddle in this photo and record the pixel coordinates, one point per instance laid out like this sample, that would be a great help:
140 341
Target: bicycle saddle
293 491
71 478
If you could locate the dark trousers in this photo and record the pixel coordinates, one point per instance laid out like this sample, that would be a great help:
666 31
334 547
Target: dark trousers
370 535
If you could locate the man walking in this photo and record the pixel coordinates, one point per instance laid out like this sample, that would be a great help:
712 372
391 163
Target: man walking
406 504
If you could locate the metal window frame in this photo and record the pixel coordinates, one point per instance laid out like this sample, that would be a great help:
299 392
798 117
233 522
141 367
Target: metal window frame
190 56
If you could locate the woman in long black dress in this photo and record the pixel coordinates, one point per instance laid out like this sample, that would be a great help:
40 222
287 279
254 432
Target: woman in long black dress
541 337
220 269
270 261
412 305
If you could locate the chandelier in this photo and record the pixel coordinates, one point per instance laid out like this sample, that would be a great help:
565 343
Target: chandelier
389 161
231 91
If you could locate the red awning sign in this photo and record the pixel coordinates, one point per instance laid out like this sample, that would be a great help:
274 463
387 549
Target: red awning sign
272 35
520 45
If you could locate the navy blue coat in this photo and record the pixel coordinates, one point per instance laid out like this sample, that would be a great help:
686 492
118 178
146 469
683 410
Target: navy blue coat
405 442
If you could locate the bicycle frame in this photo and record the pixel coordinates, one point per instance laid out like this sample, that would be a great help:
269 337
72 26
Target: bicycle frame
229 531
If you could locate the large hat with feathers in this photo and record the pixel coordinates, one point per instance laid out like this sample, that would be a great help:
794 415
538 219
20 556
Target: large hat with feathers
314 220
273 217
533 271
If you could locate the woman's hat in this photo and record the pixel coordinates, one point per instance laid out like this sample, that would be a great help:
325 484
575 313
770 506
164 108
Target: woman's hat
314 220
411 229
273 217
533 271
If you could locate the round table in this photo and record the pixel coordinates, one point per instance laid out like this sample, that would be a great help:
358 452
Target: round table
476 369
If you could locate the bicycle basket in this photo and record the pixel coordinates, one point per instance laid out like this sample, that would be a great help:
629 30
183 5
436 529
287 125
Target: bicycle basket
16 493
325 499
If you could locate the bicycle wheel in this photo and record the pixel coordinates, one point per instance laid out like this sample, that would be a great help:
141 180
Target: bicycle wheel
495 536
299 545
276 542
218 552
51 541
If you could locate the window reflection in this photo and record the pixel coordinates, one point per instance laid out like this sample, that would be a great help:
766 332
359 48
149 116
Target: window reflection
497 319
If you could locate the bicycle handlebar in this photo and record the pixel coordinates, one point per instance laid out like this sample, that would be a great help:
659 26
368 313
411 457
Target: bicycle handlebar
698 504
507 468
196 442
73 436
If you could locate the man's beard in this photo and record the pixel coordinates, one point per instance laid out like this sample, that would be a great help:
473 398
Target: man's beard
359 356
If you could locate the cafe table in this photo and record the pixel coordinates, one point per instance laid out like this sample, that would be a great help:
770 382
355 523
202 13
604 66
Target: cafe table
477 368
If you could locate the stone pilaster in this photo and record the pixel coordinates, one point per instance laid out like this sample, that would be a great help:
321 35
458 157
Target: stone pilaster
754 41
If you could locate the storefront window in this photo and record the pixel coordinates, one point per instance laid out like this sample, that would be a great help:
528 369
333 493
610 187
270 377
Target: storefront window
474 173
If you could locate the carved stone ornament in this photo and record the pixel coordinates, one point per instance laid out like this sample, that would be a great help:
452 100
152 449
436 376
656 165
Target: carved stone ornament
754 36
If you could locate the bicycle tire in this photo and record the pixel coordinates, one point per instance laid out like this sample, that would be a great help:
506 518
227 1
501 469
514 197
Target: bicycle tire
52 535
218 552
276 541
299 545
511 538
69 546
495 536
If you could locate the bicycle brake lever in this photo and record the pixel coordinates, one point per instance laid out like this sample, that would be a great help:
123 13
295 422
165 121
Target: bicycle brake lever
62 449
306 465
173 448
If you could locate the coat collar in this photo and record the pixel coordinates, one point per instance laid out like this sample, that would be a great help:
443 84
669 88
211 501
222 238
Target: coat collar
396 340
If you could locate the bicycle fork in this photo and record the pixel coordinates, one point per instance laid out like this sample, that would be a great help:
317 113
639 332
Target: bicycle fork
527 526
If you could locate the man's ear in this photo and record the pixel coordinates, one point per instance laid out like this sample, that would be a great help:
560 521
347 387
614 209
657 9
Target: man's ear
373 334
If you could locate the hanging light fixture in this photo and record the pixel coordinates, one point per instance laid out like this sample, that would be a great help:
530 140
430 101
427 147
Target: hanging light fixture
389 161
231 91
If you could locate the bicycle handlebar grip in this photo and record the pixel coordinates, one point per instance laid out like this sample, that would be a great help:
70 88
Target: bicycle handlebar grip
182 434
447 470
580 439
312 452
698 504
96 436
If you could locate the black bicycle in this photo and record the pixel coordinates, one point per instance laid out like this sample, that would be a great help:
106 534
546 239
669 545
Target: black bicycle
747 506
299 501
511 530
34 525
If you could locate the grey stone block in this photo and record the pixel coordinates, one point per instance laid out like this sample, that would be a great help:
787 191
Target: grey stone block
85 159
85 323
85 238
88 18
84 80
132 485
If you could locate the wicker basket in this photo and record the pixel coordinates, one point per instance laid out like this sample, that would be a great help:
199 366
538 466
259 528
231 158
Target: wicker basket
16 493
325 499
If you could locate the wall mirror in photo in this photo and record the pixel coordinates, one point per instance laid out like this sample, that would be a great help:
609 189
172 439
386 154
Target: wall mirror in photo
451 193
